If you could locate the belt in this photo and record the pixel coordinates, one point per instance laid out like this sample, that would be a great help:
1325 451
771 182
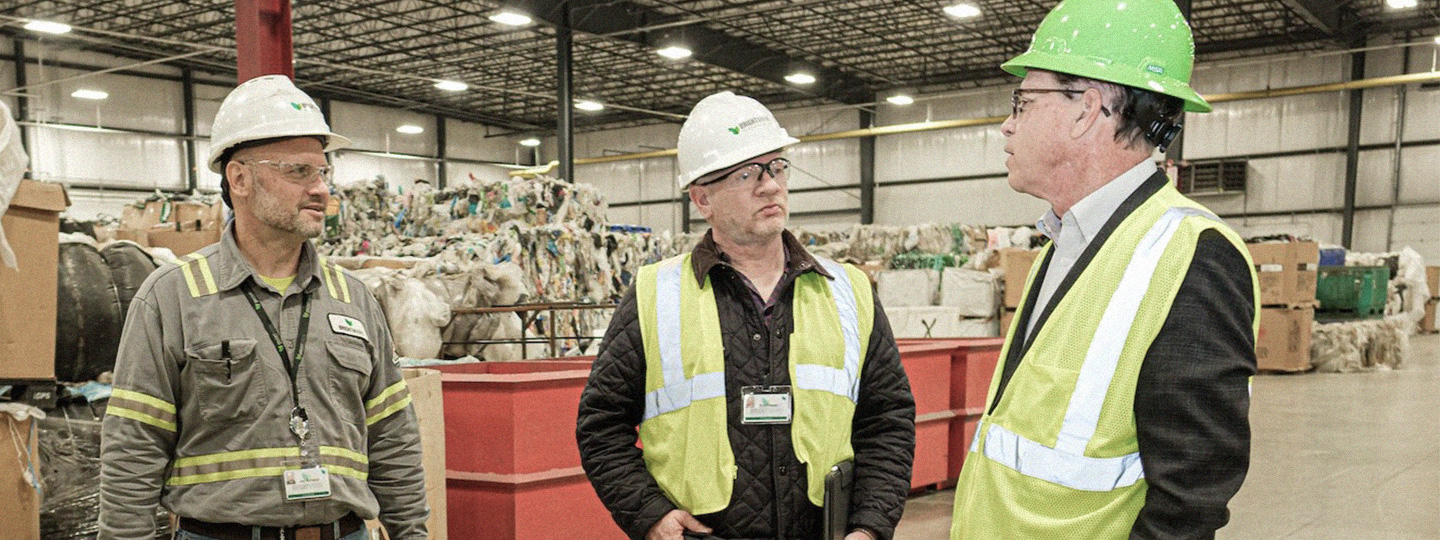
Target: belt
234 531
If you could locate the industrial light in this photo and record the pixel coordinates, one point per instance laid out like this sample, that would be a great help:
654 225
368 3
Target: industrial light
452 86
800 78
1401 4
531 142
410 129
511 18
48 27
900 99
92 95
1437 40
587 105
675 52
965 11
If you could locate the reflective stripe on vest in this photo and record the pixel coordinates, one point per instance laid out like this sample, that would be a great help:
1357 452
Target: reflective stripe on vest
1066 464
844 383
678 391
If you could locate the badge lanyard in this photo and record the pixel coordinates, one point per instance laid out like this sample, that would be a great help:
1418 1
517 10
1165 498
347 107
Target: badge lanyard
299 420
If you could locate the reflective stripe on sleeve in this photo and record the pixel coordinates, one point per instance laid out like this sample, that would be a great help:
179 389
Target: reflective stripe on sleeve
142 408
393 399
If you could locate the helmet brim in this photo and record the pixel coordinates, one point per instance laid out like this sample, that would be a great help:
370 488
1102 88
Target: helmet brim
1100 71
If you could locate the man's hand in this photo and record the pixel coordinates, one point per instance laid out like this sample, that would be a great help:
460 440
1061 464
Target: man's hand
674 524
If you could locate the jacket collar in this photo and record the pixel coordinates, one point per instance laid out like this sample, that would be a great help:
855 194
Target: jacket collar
231 267
707 255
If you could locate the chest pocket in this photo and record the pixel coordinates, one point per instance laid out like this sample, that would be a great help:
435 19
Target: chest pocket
350 367
230 388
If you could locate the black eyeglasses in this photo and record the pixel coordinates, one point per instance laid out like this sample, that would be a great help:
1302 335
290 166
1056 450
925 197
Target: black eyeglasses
1016 105
779 169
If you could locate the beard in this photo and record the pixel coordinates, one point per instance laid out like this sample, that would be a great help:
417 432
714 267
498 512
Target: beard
271 211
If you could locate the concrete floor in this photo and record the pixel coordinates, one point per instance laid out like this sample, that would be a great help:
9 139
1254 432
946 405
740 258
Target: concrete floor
1335 457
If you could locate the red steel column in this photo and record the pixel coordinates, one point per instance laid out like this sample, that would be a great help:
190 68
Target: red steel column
262 39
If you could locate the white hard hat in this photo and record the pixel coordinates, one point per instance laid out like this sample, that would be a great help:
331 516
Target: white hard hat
265 108
725 129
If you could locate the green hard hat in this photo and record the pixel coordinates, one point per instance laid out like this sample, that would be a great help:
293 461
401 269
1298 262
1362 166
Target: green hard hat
1141 43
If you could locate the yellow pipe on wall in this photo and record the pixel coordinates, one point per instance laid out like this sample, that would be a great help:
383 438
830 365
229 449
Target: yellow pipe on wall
1376 82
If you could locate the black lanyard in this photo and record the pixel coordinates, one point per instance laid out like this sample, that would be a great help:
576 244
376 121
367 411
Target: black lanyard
291 367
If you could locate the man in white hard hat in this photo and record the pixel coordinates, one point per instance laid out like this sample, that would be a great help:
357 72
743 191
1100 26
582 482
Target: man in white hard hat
750 366
256 395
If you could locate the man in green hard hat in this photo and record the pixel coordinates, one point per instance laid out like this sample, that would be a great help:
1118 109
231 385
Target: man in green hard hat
1120 407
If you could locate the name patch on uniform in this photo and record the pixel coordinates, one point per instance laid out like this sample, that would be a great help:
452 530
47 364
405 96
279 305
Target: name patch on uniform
349 326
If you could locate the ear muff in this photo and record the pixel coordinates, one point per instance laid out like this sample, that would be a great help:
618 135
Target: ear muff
1163 132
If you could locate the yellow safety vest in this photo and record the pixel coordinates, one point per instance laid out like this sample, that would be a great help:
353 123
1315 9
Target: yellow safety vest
1058 457
684 430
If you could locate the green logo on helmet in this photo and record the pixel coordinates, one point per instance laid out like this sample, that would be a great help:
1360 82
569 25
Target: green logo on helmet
734 130
298 106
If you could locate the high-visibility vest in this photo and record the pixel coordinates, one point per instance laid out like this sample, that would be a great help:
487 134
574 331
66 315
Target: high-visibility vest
684 430
1058 457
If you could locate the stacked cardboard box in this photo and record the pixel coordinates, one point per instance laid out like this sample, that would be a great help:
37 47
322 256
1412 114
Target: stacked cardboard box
1287 273
28 295
1432 277
180 226
1015 263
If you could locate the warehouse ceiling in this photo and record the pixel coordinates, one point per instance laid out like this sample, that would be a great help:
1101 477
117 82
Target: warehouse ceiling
391 52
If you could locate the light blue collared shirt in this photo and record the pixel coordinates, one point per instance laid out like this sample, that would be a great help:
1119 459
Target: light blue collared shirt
1073 232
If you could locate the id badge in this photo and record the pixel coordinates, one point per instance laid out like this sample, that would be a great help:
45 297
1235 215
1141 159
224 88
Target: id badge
765 405
307 484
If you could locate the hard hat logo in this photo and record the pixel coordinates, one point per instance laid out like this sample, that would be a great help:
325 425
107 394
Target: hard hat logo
735 130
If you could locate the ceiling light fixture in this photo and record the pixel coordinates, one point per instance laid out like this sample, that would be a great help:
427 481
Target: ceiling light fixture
48 27
800 78
675 52
410 129
1401 4
531 142
963 11
452 86
511 18
92 95
587 105
900 99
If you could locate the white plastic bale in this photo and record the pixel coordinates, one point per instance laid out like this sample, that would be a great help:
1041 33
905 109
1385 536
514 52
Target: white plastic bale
974 292
1359 346
907 288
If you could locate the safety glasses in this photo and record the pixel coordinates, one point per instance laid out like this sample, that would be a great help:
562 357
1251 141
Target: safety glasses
779 169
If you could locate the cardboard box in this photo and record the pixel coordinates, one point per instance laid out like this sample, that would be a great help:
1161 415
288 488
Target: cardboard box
1016 264
430 413
1284 340
1432 278
1287 272
20 513
28 296
1270 261
182 240
1427 323
1305 258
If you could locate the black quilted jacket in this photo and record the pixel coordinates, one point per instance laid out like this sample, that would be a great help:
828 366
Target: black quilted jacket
769 498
